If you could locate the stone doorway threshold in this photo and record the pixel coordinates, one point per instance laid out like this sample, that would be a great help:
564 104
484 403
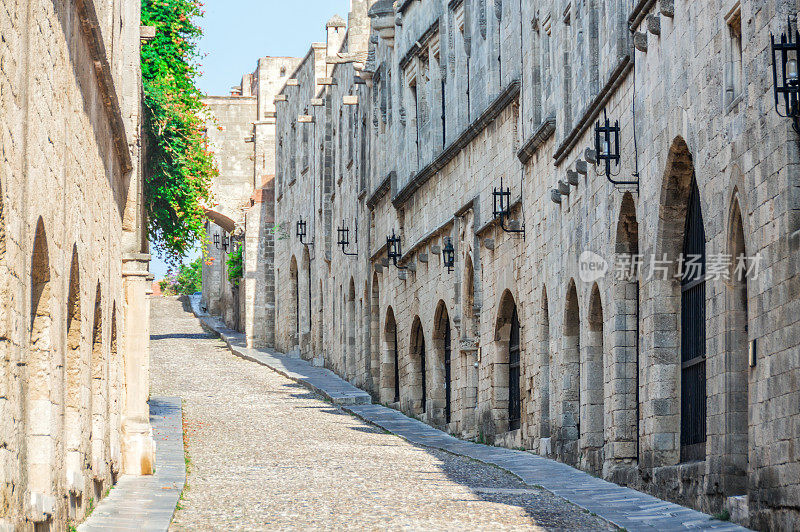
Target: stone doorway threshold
624 507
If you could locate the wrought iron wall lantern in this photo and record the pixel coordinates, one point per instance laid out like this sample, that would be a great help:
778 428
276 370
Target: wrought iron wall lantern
225 242
393 250
501 208
344 239
606 145
448 254
216 240
302 227
785 55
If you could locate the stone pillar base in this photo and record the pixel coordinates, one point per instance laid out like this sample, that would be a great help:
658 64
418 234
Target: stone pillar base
138 447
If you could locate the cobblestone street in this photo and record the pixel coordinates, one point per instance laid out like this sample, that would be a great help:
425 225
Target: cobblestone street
267 454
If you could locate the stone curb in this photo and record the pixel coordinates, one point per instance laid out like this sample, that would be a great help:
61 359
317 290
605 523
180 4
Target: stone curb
623 507
148 503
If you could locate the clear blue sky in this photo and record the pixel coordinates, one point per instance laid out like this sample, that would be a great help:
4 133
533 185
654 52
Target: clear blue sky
238 32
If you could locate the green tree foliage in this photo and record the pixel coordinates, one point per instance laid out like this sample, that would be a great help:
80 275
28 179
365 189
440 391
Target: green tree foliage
180 166
235 268
187 281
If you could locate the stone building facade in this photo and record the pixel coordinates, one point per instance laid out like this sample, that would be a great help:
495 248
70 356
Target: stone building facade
408 119
74 277
240 129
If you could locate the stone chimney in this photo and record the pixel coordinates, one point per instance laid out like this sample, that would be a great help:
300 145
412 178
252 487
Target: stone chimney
337 28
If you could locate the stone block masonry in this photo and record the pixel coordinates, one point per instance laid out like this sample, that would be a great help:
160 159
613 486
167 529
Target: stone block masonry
408 119
74 272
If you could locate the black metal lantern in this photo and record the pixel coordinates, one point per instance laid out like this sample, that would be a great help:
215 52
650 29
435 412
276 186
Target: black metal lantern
786 53
216 240
606 144
448 254
394 250
344 240
501 207
225 242
301 230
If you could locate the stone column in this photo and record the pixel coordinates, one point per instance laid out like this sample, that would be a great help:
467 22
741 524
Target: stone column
138 447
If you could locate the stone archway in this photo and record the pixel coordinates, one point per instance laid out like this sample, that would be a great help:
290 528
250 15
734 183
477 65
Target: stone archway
99 398
375 335
676 380
76 386
293 308
441 374
569 429
416 398
737 361
390 365
624 379
544 367
593 387
507 368
350 323
41 402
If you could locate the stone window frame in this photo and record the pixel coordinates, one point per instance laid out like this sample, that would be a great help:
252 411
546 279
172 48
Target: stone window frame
733 79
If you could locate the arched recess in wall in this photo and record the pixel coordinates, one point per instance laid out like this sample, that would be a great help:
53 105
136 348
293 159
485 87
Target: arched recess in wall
293 309
508 366
441 385
42 407
321 321
417 379
100 407
544 367
305 303
593 386
77 380
737 370
375 334
681 234
350 320
570 371
470 327
115 387
390 366
626 333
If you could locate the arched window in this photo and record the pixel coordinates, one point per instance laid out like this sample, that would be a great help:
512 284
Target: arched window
693 333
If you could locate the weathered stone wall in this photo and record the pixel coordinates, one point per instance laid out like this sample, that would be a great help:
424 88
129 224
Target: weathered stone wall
241 133
412 134
70 212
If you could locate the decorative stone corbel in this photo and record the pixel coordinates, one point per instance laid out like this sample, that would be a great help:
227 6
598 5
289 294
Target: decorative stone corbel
411 266
378 267
654 24
640 41
572 178
385 262
563 188
402 275
488 243
423 257
590 155
667 8
436 249
581 167
555 196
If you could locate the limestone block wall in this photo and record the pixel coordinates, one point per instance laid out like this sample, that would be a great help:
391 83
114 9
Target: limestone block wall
68 178
437 118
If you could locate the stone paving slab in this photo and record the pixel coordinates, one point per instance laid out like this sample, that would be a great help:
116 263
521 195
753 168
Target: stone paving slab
624 507
147 503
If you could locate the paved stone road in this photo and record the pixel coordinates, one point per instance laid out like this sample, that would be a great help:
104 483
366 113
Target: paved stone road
268 454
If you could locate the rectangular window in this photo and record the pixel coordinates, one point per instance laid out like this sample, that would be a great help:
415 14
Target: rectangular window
733 65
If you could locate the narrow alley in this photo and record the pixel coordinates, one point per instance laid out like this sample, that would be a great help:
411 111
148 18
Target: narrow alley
267 454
